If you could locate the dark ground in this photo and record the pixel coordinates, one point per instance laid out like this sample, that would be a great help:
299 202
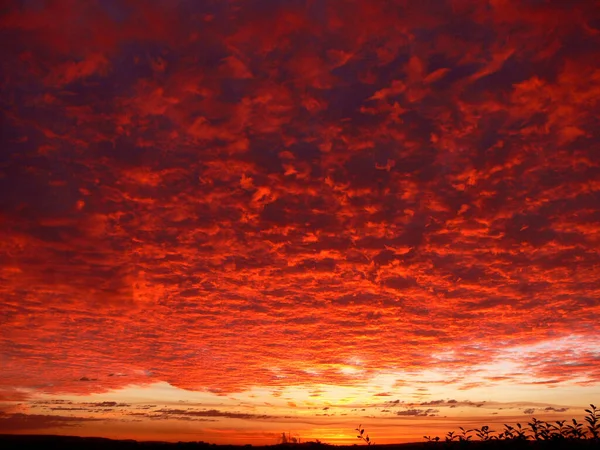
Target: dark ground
34 442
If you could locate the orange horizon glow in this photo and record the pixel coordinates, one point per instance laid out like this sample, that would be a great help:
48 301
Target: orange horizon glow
225 221
247 418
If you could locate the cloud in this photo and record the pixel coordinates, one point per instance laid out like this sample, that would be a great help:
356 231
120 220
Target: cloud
434 402
552 409
418 412
23 422
212 413
182 199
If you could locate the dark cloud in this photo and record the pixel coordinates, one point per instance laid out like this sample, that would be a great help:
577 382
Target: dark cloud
24 422
433 402
418 412
212 413
552 409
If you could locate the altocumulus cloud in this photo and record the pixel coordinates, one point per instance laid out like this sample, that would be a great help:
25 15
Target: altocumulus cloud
180 183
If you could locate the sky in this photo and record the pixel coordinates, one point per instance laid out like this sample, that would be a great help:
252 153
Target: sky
226 220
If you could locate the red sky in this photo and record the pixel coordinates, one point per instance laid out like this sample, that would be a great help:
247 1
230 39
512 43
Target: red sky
223 220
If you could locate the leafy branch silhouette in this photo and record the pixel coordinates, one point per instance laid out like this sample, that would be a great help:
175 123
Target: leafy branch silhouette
362 436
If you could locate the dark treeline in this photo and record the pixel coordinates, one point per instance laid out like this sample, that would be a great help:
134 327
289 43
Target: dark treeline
39 442
51 442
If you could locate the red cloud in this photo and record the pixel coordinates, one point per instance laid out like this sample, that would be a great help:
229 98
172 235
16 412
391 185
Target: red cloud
225 198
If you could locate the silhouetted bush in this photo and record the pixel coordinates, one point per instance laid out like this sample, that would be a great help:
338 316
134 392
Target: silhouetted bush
538 431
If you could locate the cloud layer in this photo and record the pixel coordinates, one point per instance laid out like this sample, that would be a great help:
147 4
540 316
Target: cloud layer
260 193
